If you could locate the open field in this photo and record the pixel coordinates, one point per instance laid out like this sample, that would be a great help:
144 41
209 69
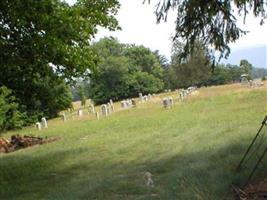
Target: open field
191 150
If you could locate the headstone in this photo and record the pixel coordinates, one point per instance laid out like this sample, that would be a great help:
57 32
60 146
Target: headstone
104 110
38 126
80 113
165 102
149 96
44 123
63 117
141 96
111 102
123 104
112 107
108 108
97 115
92 108
145 98
170 101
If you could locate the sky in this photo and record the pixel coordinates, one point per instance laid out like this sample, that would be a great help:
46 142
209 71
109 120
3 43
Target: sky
138 23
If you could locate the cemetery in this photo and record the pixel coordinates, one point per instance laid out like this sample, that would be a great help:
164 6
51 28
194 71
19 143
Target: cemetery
133 100
140 148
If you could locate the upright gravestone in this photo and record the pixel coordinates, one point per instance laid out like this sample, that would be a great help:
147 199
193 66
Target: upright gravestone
92 109
108 108
97 115
63 117
145 98
111 102
141 96
44 122
124 104
80 113
165 102
104 110
170 101
38 126
181 96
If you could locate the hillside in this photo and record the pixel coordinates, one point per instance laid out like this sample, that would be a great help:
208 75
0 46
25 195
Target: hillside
191 150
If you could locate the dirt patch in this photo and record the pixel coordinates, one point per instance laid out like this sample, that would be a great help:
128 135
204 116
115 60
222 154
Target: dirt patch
253 191
17 142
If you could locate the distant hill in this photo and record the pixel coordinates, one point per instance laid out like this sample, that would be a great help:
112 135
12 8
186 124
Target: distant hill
257 56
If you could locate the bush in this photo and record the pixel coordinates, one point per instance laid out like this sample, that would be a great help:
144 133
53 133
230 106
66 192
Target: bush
10 116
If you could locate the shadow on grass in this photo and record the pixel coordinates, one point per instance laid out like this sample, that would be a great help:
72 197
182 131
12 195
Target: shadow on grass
56 175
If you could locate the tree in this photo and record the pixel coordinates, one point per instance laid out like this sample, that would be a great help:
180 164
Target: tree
246 68
211 21
45 44
195 70
124 71
10 116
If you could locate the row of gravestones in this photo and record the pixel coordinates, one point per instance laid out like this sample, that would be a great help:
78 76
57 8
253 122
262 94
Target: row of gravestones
128 103
168 101
42 124
145 97
185 92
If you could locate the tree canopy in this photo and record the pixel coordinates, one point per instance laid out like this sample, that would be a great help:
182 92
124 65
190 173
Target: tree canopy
211 21
45 44
124 71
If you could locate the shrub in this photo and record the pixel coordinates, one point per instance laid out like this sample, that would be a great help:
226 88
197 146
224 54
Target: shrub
10 116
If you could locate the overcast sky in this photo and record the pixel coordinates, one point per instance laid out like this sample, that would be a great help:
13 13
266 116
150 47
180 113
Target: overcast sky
139 26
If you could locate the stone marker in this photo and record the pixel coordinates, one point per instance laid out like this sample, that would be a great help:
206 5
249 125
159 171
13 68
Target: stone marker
108 108
80 113
38 126
44 123
170 101
112 107
63 117
97 115
123 104
141 96
92 109
104 110
111 102
165 102
145 98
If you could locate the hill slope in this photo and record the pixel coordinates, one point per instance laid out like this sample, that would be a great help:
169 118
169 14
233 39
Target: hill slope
191 150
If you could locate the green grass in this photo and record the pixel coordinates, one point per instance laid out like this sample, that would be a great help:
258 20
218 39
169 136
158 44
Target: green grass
191 150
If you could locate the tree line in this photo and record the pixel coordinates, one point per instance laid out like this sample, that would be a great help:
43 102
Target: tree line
46 51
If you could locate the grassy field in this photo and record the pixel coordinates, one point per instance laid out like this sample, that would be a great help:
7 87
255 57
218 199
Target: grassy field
191 150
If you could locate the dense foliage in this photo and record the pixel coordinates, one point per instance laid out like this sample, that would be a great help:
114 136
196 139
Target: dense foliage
45 44
10 116
124 71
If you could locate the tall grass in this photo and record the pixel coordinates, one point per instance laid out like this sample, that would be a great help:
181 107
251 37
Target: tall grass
191 149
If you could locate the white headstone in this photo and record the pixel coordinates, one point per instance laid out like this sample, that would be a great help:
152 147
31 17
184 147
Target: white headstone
63 117
44 123
97 115
104 110
170 101
108 108
124 104
38 126
80 113
92 108
141 96
111 102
